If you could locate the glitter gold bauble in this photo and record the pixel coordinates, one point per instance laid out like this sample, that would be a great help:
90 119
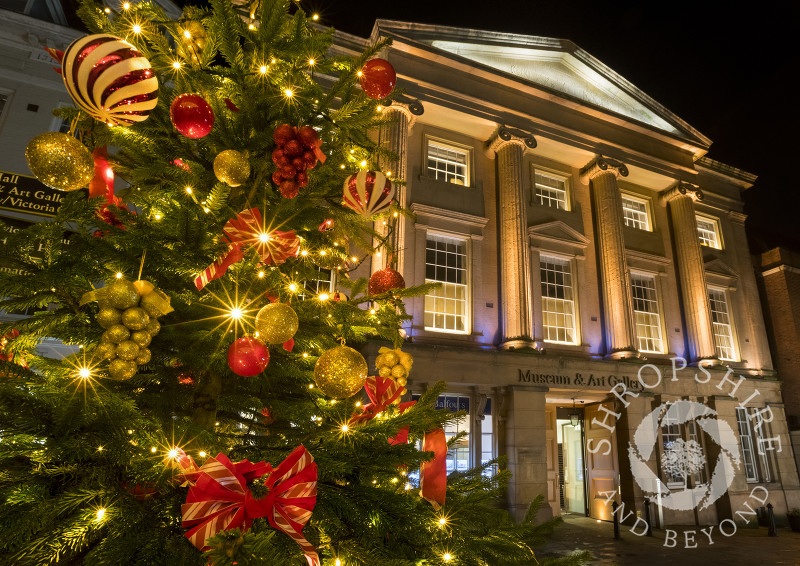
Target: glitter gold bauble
153 303
135 318
60 161
143 357
340 372
389 359
106 351
231 167
401 381
153 327
141 337
116 334
128 350
399 371
385 371
276 323
108 317
121 369
122 294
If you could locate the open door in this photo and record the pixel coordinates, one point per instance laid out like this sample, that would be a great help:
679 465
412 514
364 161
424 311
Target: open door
601 461
553 492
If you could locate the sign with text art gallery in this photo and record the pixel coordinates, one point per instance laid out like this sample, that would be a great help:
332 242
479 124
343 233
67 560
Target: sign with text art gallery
21 193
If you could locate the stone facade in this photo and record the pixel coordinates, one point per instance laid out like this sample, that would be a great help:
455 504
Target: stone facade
586 245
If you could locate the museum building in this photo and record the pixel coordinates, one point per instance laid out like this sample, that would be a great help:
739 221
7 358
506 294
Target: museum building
582 240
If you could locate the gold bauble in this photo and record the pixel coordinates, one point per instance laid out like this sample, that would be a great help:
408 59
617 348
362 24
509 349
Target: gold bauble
116 334
231 167
135 318
399 371
128 350
122 294
106 351
153 327
153 302
108 317
141 337
143 357
385 371
276 323
390 358
401 381
122 369
60 161
340 372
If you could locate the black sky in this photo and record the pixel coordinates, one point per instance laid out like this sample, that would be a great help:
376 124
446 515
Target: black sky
726 68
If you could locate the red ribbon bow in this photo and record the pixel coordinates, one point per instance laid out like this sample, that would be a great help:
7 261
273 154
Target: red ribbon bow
220 499
248 229
383 391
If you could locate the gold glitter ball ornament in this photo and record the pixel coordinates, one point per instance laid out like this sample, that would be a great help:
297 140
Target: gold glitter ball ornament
340 372
128 350
135 318
231 167
60 161
108 317
122 369
153 327
122 294
153 303
141 337
276 323
143 357
106 351
116 334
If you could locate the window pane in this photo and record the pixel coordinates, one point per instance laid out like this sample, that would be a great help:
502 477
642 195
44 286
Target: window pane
721 324
551 191
635 213
708 233
447 163
646 313
746 441
458 456
558 308
446 306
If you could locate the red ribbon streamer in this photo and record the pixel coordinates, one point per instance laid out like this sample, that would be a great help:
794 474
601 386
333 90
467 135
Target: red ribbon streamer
247 230
383 391
221 500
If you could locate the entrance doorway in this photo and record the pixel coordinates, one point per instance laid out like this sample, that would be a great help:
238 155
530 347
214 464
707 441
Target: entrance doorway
572 465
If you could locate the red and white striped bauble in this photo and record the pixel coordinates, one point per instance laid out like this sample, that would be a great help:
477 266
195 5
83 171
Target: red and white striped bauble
368 193
109 79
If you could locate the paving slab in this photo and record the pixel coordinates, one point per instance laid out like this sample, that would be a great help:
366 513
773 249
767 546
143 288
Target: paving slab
748 546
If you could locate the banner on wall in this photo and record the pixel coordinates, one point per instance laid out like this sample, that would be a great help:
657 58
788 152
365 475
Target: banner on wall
20 193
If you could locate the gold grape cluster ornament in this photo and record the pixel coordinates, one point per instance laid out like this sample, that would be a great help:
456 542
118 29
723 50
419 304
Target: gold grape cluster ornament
129 312
394 364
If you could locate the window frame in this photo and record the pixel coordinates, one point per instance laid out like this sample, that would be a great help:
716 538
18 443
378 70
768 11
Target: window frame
5 109
648 211
454 146
730 323
544 255
467 268
553 175
657 292
717 230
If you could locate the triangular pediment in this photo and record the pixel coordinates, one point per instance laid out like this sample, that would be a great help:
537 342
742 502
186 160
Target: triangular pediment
560 232
716 266
557 66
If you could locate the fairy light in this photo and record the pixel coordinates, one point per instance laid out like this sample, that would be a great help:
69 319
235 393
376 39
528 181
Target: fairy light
263 69
288 92
261 275
395 215
446 557
345 428
107 10
358 74
235 313
304 253
126 6
153 449
187 34
118 275
293 287
354 258
206 209
371 311
273 61
358 403
323 296
99 448
305 354
315 17
263 237
202 453
379 108
137 28
341 166
176 64
251 26
388 173
84 373
157 216
311 62
363 163
394 480
442 521
323 252
188 190
311 386
173 453
407 486
100 514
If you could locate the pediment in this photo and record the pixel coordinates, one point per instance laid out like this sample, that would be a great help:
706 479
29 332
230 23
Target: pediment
718 267
560 232
557 66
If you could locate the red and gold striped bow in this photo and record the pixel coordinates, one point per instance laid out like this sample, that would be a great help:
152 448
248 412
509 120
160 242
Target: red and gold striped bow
382 392
220 499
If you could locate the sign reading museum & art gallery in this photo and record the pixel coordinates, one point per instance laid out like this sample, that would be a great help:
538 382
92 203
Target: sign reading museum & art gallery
21 193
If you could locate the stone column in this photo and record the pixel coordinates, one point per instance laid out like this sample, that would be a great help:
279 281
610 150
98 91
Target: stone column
526 449
691 272
393 137
620 338
516 315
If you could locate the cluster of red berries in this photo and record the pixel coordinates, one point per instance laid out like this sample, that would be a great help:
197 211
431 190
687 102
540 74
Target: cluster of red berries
296 151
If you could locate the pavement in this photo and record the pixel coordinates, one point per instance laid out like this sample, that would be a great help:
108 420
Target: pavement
747 546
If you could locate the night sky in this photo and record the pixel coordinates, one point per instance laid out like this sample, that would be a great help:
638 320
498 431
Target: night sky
726 68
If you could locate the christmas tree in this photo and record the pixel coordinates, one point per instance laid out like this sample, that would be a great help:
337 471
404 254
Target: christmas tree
214 410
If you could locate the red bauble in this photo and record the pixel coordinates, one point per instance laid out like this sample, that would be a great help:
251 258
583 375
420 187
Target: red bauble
301 179
277 177
385 280
191 115
248 356
289 189
378 78
309 137
292 148
283 134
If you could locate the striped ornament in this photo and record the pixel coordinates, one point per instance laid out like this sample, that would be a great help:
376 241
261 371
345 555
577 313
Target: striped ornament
109 79
368 193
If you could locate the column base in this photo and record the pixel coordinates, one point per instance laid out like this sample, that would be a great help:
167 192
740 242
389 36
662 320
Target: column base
625 354
519 344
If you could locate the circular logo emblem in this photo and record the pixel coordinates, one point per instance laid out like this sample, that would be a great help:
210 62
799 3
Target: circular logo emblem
682 458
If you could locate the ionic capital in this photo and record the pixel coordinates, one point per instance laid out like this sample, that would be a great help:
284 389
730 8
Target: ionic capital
682 189
602 165
503 136
410 110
